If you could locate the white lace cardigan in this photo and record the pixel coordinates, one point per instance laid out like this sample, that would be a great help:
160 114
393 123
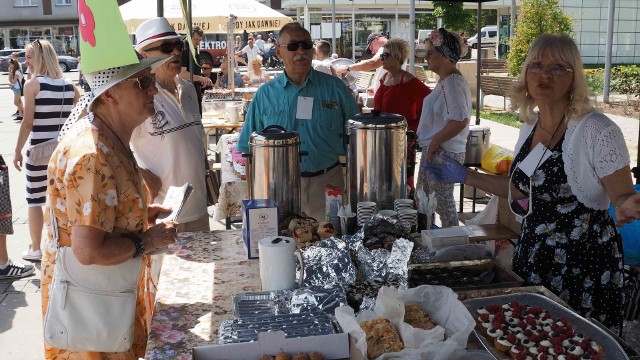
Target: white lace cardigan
592 149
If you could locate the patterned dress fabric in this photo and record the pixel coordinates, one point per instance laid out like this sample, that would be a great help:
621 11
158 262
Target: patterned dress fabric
91 184
571 249
52 108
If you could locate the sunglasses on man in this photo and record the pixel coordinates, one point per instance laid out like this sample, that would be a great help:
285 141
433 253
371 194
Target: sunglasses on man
167 47
143 81
294 46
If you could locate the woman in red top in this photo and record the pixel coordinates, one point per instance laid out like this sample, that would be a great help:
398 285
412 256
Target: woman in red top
401 93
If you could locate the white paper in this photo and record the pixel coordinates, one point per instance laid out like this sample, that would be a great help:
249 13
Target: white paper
304 110
536 157
440 343
175 199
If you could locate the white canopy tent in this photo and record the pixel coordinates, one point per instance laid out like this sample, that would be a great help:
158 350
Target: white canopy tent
211 15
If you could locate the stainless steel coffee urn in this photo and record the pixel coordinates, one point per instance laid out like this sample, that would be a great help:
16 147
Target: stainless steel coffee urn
376 157
273 168
477 144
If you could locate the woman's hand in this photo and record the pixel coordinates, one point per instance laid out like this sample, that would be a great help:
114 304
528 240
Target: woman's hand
17 160
432 149
154 210
628 210
160 235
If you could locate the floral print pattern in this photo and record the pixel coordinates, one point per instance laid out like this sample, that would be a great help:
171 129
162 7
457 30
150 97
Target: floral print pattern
571 249
199 277
89 186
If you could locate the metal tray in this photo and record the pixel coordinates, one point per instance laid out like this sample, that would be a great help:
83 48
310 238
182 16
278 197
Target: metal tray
504 277
612 350
258 303
293 325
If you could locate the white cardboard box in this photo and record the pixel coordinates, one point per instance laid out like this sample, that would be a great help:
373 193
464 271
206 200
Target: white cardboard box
439 238
333 346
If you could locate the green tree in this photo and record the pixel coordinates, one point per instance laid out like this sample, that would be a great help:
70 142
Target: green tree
454 16
536 17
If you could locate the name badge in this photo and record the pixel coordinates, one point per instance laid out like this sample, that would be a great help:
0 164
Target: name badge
305 108
536 157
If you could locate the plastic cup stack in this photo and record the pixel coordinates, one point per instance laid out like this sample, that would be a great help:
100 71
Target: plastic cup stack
365 211
408 217
388 213
402 204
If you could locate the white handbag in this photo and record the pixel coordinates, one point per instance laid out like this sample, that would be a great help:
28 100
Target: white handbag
91 307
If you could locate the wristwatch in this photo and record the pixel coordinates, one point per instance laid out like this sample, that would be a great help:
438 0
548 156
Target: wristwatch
348 67
137 241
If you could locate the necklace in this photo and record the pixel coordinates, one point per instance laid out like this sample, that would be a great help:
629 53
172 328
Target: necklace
129 153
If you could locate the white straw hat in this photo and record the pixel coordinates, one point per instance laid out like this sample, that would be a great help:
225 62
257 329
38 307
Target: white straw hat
103 80
154 30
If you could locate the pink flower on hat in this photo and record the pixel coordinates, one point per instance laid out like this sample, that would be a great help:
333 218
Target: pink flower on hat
435 38
87 23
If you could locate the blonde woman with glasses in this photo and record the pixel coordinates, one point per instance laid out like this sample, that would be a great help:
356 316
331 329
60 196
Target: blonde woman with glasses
48 100
570 163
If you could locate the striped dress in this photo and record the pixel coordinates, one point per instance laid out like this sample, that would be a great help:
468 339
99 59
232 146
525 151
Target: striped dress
54 103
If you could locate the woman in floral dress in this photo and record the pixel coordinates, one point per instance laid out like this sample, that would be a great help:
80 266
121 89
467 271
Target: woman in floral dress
570 163
97 194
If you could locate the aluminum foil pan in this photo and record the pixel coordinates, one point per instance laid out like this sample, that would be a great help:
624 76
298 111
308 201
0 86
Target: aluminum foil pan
612 350
308 299
328 264
293 325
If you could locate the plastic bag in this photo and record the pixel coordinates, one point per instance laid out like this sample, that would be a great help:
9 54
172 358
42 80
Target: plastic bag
497 160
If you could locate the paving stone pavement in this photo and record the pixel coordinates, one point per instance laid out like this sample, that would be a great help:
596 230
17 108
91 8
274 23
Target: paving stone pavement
20 303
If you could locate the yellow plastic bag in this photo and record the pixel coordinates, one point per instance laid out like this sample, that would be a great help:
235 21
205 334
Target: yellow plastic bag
497 160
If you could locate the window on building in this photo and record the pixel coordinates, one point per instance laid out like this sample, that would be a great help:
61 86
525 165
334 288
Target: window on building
63 2
25 3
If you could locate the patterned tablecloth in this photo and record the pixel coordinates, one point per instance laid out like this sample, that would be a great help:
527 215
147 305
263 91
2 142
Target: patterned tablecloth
233 184
198 279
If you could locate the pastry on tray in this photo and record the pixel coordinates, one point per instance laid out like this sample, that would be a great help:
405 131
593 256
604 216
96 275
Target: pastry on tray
297 356
416 317
527 332
382 337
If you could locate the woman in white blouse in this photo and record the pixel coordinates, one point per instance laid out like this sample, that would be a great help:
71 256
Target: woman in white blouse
570 163
256 76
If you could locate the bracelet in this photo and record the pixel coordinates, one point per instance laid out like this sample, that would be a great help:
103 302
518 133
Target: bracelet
622 202
348 67
137 241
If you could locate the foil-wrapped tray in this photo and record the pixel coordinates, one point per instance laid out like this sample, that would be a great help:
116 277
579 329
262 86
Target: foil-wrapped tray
293 325
305 299
464 275
611 349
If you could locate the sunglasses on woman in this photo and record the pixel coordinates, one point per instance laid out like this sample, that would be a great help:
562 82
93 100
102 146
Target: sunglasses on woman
167 47
294 46
537 67
384 56
517 207
143 81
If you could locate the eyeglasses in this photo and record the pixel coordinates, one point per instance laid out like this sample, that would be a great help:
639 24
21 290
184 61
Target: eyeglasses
517 207
537 67
143 81
167 47
294 46
427 56
385 56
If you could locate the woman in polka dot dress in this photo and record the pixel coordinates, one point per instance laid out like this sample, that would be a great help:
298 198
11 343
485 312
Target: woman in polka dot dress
570 164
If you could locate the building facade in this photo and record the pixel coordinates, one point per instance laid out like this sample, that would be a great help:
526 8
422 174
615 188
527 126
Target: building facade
358 18
24 21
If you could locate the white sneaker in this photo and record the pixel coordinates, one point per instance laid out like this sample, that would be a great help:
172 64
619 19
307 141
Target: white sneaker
32 255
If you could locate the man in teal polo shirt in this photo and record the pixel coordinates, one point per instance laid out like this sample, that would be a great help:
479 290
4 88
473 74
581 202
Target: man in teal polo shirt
313 104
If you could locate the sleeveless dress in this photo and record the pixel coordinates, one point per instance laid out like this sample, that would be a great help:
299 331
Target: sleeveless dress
571 249
54 103
255 79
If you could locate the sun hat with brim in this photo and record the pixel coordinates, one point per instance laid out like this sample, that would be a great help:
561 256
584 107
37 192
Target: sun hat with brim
154 30
101 81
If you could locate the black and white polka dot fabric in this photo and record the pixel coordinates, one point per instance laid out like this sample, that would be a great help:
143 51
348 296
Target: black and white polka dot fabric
571 249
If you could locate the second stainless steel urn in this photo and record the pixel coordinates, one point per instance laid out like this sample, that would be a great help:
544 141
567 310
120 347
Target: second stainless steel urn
273 168
377 154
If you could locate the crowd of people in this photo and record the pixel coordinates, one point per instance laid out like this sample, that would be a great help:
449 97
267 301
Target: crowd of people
115 151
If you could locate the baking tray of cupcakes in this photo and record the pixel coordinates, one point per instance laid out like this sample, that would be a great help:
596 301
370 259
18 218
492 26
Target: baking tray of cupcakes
531 326
464 275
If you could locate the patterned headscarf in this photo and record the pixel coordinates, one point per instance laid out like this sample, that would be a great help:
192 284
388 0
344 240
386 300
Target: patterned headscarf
446 44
